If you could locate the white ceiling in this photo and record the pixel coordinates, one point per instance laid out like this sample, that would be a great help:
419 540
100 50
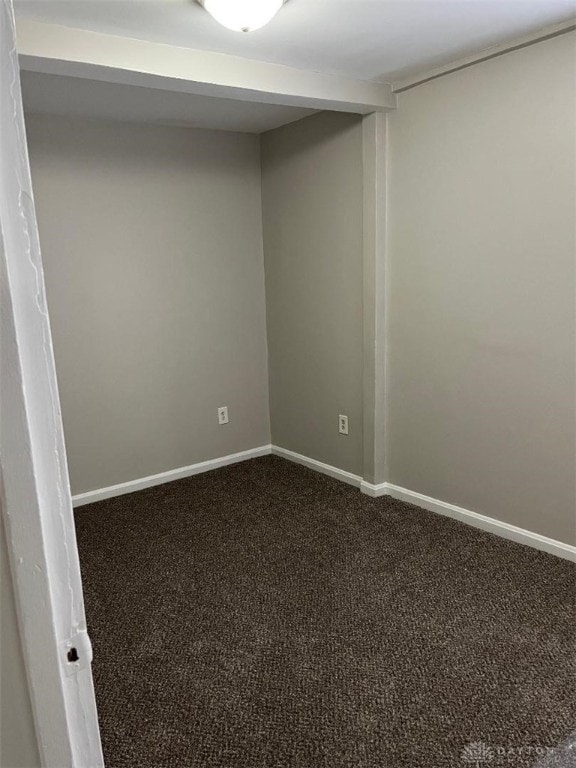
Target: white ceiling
72 96
365 39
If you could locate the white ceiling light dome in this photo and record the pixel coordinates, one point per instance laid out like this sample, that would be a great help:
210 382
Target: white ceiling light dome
243 15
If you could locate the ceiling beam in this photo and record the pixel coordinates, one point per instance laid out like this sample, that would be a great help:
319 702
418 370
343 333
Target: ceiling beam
54 49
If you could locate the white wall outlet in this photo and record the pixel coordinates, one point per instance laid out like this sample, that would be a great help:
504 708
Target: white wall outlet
343 424
223 415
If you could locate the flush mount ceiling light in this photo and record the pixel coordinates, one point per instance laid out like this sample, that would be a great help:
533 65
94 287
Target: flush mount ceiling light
242 15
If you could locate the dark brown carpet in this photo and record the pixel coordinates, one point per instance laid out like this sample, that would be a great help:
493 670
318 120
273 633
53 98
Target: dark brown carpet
264 616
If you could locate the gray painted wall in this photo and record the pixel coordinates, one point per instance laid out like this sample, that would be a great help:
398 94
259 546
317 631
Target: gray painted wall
18 746
312 218
480 290
481 321
152 247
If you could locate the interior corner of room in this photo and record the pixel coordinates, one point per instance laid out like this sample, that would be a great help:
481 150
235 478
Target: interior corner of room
373 280
189 268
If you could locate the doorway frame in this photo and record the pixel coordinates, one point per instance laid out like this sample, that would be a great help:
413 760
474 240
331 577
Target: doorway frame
35 490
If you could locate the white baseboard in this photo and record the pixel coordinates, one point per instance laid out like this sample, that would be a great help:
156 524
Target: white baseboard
374 490
485 523
166 477
318 466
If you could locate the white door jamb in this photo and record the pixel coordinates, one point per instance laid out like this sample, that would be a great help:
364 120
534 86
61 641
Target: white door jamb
35 492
